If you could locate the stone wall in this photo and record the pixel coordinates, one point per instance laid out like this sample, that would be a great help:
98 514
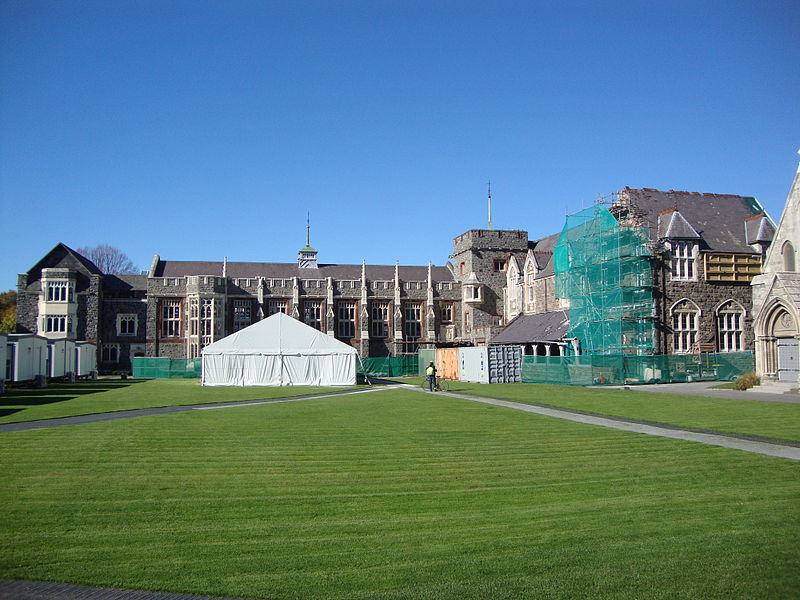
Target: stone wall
707 295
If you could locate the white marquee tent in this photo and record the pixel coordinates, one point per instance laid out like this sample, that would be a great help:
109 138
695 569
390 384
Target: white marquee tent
279 350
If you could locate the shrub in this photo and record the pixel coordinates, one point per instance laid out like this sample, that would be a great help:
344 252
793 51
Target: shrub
747 381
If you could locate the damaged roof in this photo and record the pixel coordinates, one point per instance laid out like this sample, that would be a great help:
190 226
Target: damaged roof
721 220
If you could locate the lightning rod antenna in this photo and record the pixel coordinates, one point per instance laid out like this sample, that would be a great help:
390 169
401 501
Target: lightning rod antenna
490 205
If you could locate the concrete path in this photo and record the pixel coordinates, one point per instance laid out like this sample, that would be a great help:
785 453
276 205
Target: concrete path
42 590
163 410
705 388
758 445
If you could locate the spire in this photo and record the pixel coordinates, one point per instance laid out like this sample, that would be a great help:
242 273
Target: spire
490 205
307 257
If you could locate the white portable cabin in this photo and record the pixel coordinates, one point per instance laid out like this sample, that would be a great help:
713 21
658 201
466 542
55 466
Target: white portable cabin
279 351
85 359
473 364
27 356
3 356
60 357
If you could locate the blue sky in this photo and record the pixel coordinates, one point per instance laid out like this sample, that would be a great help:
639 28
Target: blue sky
198 130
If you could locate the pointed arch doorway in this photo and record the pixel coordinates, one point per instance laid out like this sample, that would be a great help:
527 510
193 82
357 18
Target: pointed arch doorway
780 345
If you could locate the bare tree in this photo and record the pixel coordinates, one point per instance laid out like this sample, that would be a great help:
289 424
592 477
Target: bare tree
109 260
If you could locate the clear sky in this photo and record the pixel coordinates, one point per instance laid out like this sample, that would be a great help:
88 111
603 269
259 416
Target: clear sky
198 130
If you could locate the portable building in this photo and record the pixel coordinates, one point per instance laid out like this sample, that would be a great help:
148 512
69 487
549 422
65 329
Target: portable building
27 356
85 358
473 364
278 351
3 356
60 357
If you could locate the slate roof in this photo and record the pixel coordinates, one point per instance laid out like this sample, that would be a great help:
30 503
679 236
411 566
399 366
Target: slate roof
59 251
542 327
543 253
179 268
720 219
674 226
759 229
125 282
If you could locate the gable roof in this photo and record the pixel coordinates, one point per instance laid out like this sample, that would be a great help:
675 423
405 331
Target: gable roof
541 327
59 254
279 334
719 219
542 250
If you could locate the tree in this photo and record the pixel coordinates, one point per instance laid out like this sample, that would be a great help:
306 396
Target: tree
109 260
8 311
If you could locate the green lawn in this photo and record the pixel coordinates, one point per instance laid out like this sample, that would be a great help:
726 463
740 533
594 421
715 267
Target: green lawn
779 420
106 395
395 495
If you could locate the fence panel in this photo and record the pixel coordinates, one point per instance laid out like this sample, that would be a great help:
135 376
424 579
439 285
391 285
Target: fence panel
621 369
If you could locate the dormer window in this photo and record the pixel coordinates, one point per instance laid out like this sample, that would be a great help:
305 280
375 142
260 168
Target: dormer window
683 260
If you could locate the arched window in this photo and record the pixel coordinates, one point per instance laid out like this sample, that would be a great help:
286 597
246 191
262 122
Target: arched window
730 325
685 320
788 256
530 275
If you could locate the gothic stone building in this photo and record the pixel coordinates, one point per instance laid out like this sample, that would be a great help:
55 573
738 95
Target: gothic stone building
706 248
178 307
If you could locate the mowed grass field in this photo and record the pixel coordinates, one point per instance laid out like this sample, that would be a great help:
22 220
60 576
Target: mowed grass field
395 494
778 420
107 395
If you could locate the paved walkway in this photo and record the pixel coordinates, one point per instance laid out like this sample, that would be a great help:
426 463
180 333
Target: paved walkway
758 445
43 590
705 388
163 410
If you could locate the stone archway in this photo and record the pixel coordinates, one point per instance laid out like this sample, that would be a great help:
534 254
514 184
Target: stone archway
779 351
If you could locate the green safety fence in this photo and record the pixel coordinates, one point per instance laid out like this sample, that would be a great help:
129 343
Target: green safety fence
162 367
390 366
632 370
425 358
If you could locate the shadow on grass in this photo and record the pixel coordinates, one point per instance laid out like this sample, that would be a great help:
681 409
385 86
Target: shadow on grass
56 392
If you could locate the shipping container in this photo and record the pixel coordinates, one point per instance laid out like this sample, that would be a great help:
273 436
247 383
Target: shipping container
474 364
447 363
505 364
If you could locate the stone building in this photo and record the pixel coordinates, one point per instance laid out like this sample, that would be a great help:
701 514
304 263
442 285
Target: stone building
704 249
776 299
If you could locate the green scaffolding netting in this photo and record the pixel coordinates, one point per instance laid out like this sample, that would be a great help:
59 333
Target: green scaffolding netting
603 269
631 370
166 368
390 366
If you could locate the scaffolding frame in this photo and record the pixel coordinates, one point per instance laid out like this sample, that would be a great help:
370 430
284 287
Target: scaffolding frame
604 268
